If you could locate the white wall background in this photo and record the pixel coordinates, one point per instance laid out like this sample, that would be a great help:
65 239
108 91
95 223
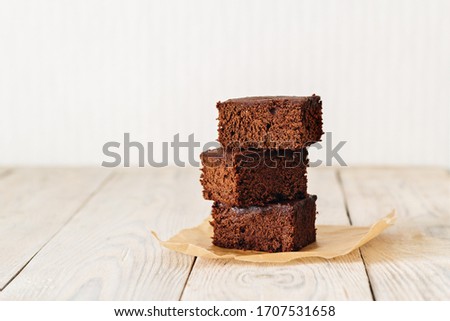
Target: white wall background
76 74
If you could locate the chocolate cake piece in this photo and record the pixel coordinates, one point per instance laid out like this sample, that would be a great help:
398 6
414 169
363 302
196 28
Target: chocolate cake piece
244 178
278 227
281 122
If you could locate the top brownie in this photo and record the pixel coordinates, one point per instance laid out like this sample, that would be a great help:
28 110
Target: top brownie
281 122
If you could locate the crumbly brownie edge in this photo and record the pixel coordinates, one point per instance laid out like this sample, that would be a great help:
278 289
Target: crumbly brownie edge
274 228
236 181
270 122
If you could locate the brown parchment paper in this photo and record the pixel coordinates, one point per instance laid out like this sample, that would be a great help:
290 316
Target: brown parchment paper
332 241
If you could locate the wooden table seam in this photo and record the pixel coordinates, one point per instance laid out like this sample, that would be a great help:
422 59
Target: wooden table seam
187 278
344 196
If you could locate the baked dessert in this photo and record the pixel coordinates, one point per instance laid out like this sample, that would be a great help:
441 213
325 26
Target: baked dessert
242 178
278 227
280 122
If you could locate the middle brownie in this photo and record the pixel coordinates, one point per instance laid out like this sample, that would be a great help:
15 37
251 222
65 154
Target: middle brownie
253 177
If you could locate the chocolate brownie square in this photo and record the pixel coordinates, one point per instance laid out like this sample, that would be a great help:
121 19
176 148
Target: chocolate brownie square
248 177
278 227
281 122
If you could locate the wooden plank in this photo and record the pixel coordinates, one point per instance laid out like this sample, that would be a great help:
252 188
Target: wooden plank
410 261
34 204
342 278
107 252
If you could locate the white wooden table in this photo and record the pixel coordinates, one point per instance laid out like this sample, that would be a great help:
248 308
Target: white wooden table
83 234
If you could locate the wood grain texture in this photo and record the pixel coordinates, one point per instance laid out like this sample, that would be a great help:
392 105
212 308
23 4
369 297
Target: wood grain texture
34 205
106 252
410 261
342 278
79 244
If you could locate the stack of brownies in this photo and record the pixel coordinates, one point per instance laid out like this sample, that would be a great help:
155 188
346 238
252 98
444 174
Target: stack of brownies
257 179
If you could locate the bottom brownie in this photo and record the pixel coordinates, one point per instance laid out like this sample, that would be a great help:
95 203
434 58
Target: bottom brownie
278 227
